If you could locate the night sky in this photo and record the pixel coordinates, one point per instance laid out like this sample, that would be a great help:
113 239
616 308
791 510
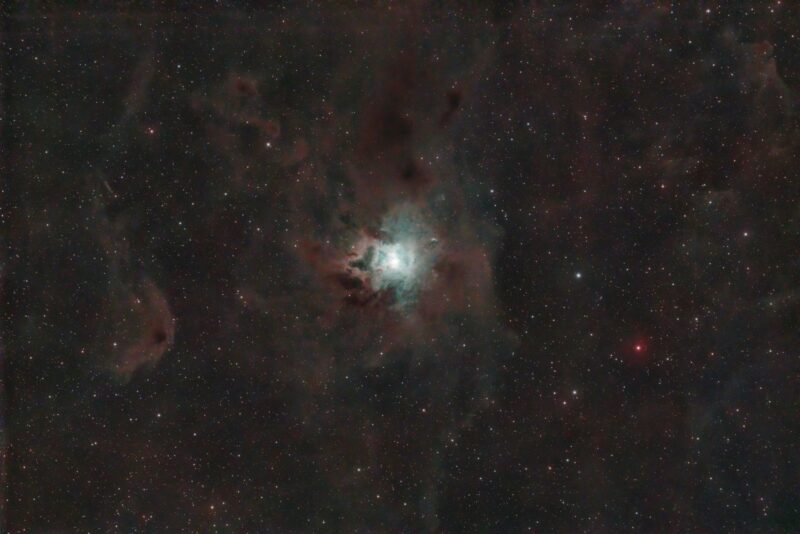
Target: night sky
401 267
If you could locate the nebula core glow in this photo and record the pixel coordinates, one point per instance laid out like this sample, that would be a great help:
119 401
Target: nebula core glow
401 260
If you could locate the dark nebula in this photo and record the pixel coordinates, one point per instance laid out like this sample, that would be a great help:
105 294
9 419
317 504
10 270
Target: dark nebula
401 267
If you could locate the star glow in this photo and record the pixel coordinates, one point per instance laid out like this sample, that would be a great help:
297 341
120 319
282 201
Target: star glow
401 259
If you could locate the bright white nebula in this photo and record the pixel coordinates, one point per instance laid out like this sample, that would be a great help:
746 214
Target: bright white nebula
402 258
397 260
394 260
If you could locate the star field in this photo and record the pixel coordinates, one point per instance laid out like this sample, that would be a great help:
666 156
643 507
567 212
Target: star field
401 267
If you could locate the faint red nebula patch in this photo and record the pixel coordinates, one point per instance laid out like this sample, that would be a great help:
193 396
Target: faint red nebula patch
460 280
147 333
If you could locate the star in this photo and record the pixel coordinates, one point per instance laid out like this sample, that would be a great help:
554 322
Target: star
393 260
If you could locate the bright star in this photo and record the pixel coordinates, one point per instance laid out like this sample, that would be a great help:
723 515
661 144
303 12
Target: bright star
393 260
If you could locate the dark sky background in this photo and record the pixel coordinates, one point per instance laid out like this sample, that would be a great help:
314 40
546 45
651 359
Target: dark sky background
401 267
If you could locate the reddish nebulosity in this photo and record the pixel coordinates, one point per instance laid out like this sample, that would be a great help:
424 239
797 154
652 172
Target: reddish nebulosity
386 166
460 279
454 97
154 334
625 147
240 128
341 284
245 86
297 153
416 175
387 125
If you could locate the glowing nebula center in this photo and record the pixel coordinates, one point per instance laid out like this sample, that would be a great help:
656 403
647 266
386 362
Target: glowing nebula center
396 259
396 266
401 259
393 261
